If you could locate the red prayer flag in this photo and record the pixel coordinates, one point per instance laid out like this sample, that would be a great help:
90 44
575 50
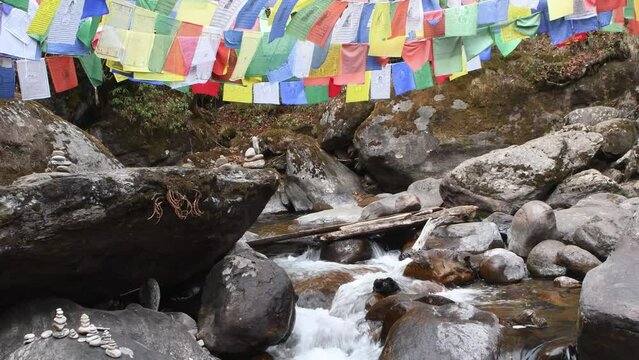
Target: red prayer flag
434 24
319 81
352 64
208 88
441 78
333 90
398 24
417 52
62 72
221 60
607 5
180 56
321 29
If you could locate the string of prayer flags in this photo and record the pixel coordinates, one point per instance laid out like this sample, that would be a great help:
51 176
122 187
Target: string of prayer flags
62 71
7 79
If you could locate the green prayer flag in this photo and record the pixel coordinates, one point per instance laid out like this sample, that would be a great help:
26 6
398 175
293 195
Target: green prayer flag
165 29
164 7
147 4
447 54
87 30
461 20
270 56
423 77
184 89
316 94
92 66
474 45
302 22
528 25
505 47
613 27
18 4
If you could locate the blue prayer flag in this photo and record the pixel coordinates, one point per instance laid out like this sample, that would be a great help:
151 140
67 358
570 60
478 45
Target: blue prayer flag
362 32
281 18
403 79
486 54
233 39
247 16
292 93
94 8
7 80
282 74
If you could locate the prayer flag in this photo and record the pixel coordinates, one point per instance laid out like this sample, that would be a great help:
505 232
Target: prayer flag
247 16
359 92
423 77
398 24
461 20
238 93
316 94
403 80
7 79
92 66
353 64
559 8
281 16
334 90
62 71
447 55
323 26
417 52
266 93
34 83
210 88
380 83
300 24
250 42
292 93
42 19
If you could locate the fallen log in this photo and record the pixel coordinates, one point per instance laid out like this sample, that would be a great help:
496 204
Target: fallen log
445 216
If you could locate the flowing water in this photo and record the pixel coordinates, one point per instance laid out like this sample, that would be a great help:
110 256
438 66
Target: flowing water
341 332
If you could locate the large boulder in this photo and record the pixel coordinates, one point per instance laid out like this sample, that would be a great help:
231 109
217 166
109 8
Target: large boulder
542 259
502 267
504 180
577 260
390 205
93 236
532 224
608 306
318 291
579 186
593 115
29 133
620 135
248 304
444 266
503 222
316 181
141 333
594 208
427 190
447 332
331 216
475 237
338 124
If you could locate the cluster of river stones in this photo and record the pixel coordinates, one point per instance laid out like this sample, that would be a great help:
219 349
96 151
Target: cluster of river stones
91 334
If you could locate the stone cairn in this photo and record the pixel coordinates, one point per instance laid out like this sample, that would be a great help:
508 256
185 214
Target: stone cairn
110 347
59 162
85 322
60 325
29 338
253 159
93 337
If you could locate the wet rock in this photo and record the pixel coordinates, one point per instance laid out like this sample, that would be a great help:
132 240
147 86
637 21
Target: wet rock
542 259
386 286
504 267
475 237
248 304
394 204
448 332
593 115
504 180
620 135
29 338
316 181
111 209
432 299
347 251
332 216
566 282
395 312
532 224
577 260
185 320
427 190
150 294
318 291
28 135
503 222
528 318
146 334
338 124
379 310
444 266
608 307
579 186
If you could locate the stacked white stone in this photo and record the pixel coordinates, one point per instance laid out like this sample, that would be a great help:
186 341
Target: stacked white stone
59 325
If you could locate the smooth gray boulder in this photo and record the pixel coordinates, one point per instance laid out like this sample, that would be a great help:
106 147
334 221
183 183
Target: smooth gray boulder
475 237
447 332
579 186
337 125
91 237
316 181
620 135
608 306
592 208
504 180
542 259
577 260
29 133
532 224
502 267
593 115
141 333
248 304
391 205
427 190
331 216
503 222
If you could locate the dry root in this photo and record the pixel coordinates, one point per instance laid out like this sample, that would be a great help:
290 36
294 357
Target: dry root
182 206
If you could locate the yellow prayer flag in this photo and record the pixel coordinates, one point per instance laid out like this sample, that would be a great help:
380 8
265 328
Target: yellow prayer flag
238 93
302 4
330 67
43 17
250 42
359 92
166 77
379 44
387 48
509 33
636 6
143 20
119 78
198 12
560 8
274 11
137 51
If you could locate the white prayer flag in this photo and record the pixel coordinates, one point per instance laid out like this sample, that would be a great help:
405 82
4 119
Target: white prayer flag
266 93
34 82
346 27
301 58
381 83
65 24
